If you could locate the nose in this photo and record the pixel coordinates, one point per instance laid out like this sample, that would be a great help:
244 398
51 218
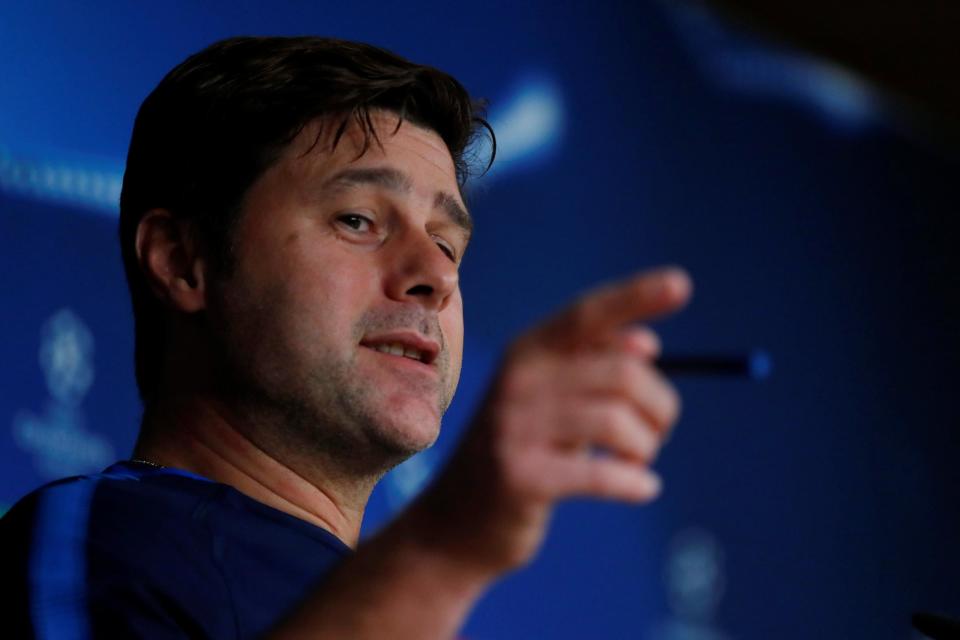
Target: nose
420 272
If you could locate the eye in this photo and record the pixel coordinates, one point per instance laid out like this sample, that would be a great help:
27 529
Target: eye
355 221
446 248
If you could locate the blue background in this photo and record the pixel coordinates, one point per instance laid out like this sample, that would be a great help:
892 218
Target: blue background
819 503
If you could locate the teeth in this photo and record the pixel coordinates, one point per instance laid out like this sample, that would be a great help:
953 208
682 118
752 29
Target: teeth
397 349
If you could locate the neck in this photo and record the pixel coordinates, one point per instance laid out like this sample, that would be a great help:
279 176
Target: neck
199 435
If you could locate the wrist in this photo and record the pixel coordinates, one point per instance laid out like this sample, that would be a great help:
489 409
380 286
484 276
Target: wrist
435 551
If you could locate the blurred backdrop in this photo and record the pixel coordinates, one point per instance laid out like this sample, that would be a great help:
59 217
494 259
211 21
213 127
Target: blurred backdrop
817 224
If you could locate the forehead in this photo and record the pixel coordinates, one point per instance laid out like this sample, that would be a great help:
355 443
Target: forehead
416 151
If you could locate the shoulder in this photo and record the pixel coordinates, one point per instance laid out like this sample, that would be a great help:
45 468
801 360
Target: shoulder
120 536
113 509
135 551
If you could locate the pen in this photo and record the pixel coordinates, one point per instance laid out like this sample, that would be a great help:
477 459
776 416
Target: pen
756 364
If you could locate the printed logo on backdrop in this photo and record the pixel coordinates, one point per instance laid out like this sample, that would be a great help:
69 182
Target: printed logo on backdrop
529 124
744 63
695 581
57 438
90 184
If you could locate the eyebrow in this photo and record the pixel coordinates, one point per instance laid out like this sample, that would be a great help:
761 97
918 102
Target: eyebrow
396 180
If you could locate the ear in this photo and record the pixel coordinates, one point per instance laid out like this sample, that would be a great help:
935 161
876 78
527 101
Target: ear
169 253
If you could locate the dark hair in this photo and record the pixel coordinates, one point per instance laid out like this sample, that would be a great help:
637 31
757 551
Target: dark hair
224 115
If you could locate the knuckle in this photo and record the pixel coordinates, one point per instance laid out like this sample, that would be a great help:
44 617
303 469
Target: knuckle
646 341
655 343
505 423
663 407
579 317
642 286
513 381
612 422
514 426
514 475
651 444
627 373
672 405
518 377
605 480
646 439
648 443
597 480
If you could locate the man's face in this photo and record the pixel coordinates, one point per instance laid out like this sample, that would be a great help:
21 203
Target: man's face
343 310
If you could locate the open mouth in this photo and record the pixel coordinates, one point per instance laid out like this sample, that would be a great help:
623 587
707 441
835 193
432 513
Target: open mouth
405 345
398 349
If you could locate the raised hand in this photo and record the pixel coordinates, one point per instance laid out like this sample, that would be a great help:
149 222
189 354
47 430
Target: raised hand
577 409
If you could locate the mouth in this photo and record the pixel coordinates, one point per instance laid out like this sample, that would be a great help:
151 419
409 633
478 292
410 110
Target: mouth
412 346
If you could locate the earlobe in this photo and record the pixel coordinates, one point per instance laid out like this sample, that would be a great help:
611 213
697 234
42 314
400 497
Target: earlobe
169 254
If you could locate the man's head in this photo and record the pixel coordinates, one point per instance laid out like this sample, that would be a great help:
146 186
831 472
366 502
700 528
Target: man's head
315 188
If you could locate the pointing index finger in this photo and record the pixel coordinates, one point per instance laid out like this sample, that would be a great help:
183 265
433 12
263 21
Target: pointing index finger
608 308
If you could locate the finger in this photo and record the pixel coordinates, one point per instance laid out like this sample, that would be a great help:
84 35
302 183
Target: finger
640 298
619 376
612 425
640 341
554 477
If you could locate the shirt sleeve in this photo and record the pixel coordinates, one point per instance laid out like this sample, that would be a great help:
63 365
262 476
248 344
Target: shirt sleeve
70 582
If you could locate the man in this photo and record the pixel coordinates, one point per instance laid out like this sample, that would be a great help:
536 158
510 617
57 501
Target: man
292 224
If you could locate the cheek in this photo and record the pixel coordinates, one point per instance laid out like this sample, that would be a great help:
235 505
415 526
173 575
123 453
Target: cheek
451 322
310 298
328 296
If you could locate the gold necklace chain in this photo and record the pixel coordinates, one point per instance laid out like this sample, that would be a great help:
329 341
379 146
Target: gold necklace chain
148 463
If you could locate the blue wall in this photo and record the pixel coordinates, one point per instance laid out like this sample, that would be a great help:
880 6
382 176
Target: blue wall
820 503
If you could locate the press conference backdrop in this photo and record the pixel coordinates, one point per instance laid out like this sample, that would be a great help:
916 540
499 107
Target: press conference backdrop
817 504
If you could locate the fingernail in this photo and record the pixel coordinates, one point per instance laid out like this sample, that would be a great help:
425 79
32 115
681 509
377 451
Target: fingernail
643 343
655 484
674 284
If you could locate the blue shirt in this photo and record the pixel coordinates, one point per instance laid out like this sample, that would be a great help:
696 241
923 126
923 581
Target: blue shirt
138 551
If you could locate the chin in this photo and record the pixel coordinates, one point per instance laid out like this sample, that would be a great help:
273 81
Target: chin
414 438
408 433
